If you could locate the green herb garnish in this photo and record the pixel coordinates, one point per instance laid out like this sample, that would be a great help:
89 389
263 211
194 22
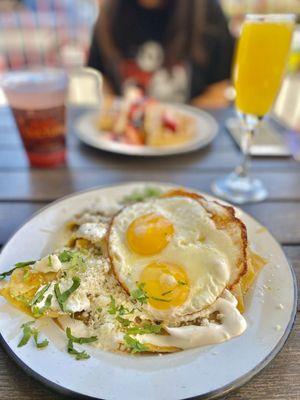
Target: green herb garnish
74 258
145 329
63 297
26 275
77 262
22 264
39 312
134 345
79 355
40 345
122 310
80 340
181 283
65 256
112 306
22 299
39 295
28 331
123 321
142 195
139 294
168 292
160 299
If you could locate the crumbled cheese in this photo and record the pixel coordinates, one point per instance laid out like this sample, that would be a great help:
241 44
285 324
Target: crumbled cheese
49 263
50 291
94 232
77 301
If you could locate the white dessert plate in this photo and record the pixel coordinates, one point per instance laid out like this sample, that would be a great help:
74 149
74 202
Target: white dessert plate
88 133
206 372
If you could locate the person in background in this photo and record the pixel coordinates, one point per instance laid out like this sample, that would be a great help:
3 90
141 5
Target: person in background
175 50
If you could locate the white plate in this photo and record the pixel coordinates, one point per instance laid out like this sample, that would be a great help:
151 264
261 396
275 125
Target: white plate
205 372
207 128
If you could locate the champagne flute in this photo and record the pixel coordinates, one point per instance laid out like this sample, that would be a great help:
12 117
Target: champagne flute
261 60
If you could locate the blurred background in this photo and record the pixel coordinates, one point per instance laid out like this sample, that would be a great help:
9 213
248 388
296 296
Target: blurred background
58 32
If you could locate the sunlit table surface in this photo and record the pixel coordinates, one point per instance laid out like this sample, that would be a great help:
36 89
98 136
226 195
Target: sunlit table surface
24 191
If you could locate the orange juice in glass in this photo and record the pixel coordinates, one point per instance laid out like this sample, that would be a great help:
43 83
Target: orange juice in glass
260 63
261 60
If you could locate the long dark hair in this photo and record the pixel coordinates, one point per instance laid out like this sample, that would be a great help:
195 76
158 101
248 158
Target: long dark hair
196 32
188 24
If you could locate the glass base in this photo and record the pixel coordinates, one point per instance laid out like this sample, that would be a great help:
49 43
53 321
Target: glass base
239 189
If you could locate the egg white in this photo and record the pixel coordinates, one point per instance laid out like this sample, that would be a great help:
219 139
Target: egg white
205 252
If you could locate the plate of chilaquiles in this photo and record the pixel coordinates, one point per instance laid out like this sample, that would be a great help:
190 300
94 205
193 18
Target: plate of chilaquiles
141 126
145 291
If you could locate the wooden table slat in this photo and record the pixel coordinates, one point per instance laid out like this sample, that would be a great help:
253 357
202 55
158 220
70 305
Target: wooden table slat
48 185
82 157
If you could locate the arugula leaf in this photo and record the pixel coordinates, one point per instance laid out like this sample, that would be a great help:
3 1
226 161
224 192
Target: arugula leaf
63 297
65 256
22 264
139 294
160 299
143 330
112 306
39 312
79 355
123 321
79 340
134 345
142 195
39 295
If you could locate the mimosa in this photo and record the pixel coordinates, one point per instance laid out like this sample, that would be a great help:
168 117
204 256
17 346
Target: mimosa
260 64
261 58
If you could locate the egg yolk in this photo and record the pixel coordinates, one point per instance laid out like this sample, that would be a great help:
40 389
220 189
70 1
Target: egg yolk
165 284
149 234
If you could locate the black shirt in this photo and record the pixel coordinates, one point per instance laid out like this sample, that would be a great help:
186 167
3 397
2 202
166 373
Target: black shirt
139 35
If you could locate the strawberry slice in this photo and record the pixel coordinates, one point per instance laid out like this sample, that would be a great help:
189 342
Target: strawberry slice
169 122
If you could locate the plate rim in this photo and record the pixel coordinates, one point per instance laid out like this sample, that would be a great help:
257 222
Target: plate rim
160 152
222 391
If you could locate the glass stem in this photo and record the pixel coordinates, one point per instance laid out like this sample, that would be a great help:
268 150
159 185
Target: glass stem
247 139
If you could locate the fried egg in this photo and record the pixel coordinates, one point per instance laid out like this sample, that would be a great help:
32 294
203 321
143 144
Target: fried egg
172 250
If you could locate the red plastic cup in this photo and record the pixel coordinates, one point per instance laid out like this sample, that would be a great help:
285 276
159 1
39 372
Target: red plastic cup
37 99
